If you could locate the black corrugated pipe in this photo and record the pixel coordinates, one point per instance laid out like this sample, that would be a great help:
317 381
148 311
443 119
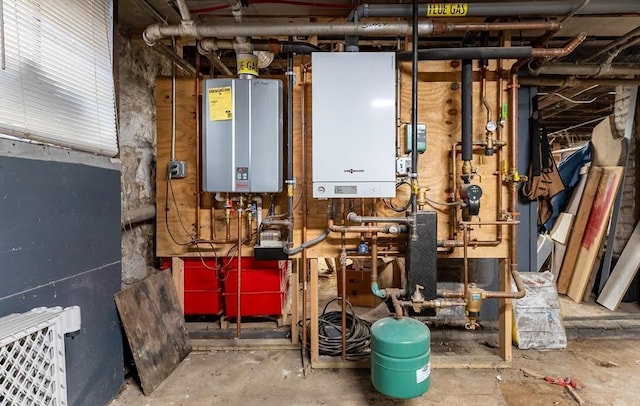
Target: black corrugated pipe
436 54
414 122
467 109
498 9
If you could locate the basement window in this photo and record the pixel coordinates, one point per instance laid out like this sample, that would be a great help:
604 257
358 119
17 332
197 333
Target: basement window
56 74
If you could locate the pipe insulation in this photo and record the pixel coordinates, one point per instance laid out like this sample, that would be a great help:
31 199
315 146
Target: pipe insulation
506 9
467 109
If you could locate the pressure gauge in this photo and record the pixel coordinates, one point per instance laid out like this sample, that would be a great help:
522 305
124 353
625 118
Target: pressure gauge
491 126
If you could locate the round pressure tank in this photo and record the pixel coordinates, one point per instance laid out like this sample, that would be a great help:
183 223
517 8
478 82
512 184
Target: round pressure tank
400 357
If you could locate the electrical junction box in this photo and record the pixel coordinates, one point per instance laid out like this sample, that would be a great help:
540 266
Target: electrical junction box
242 146
422 138
354 124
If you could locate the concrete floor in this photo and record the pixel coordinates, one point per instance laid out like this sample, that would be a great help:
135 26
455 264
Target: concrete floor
609 370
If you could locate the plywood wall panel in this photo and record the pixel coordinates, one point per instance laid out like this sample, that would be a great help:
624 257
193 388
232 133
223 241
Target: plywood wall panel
438 106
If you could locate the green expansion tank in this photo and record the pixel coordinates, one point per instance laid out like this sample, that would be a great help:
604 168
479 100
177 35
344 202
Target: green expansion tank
400 357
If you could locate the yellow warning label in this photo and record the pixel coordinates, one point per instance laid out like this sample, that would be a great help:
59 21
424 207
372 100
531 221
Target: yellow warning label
447 10
220 103
247 64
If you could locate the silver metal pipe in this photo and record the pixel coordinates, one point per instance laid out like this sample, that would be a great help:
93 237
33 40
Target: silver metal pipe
135 216
185 14
620 41
187 68
207 48
241 44
155 32
354 218
585 70
571 81
499 9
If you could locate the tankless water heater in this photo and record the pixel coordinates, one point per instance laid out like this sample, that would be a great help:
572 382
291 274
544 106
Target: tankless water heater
354 124
242 135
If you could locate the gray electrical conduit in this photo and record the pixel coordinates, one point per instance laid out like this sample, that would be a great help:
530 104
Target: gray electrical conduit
307 244
505 9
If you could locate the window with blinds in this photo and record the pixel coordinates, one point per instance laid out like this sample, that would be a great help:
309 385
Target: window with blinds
56 77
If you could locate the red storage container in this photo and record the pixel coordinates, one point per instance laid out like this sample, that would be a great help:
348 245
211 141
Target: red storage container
199 276
250 262
264 287
256 280
203 302
255 303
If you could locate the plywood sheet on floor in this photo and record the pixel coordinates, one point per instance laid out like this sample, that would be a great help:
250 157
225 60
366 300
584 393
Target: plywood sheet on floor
595 230
155 329
579 225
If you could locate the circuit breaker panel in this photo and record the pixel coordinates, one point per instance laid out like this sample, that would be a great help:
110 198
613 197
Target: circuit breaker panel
354 124
242 122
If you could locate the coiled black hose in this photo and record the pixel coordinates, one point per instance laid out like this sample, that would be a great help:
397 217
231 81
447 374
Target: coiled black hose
358 333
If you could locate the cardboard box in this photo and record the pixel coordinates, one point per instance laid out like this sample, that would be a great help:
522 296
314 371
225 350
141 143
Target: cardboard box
358 289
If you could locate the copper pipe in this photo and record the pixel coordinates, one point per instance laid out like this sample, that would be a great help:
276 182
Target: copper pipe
374 258
387 229
451 294
213 216
355 218
465 248
559 52
435 303
239 259
343 294
509 295
499 140
202 241
515 178
198 146
467 224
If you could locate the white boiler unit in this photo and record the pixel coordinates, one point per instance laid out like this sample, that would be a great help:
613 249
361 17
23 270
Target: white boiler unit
354 124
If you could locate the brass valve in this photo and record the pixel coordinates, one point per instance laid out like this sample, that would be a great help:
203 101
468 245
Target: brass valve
475 296
422 197
417 299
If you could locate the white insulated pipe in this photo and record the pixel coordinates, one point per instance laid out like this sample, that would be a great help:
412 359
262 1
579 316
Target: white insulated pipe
155 32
